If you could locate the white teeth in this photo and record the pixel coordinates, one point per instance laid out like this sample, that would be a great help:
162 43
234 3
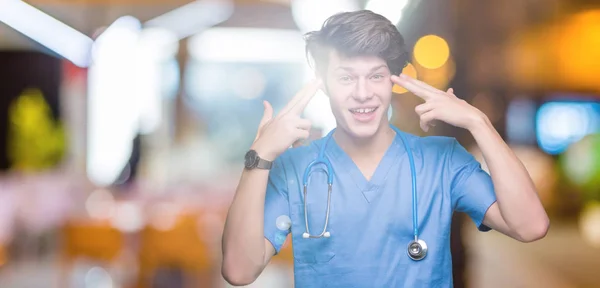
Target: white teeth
362 110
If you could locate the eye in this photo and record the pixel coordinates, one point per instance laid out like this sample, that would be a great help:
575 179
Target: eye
345 79
377 77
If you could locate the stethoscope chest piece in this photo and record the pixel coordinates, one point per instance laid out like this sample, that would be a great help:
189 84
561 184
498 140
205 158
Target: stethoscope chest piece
417 250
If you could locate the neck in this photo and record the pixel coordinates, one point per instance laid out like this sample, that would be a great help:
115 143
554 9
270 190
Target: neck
365 147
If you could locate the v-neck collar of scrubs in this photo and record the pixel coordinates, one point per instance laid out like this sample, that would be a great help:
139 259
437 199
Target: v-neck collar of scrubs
369 188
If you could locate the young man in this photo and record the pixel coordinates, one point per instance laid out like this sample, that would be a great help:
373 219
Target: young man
358 57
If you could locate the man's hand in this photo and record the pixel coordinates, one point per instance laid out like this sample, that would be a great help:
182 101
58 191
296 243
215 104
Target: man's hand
276 134
518 212
439 105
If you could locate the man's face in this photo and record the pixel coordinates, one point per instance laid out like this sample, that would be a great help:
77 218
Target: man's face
360 91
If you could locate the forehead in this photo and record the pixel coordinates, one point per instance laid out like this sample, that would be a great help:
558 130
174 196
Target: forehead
357 63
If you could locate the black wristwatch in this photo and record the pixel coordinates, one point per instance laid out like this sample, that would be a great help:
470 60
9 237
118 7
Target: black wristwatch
252 160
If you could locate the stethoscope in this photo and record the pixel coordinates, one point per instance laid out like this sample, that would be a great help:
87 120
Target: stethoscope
417 248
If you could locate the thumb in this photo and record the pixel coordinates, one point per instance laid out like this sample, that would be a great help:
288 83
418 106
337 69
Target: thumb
424 126
451 92
267 114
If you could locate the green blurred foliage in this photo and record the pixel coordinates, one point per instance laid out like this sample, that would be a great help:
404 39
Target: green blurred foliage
35 140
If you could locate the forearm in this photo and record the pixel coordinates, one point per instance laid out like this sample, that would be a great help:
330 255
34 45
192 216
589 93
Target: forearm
516 194
243 236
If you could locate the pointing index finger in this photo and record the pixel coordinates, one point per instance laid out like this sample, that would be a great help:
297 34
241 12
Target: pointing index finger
305 96
419 88
299 95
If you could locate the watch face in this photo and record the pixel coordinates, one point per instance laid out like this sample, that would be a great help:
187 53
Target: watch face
251 159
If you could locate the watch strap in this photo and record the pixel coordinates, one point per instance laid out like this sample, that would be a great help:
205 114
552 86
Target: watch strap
264 164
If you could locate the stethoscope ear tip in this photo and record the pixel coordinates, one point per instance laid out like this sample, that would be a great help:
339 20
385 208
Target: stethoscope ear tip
306 235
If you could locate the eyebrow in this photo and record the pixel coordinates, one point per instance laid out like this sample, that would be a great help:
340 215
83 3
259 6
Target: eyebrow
349 69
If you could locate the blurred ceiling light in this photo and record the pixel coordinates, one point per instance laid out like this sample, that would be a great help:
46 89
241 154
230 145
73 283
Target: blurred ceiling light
46 30
309 15
126 28
125 96
158 43
194 17
431 51
247 45
113 116
410 71
155 48
390 9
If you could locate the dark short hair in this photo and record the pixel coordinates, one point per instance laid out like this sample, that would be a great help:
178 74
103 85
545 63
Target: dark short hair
358 33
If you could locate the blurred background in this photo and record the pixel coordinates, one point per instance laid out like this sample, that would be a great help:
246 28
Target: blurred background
123 126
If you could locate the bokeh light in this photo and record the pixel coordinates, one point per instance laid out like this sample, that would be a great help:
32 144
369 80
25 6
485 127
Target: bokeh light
581 163
128 217
561 55
98 277
163 215
440 77
577 47
589 224
410 71
431 51
561 123
100 204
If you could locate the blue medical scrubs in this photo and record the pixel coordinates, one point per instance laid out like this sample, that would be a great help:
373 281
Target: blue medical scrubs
371 220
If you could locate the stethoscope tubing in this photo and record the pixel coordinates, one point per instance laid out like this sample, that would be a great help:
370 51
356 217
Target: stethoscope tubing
321 159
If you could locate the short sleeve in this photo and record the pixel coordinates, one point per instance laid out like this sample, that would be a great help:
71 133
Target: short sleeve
472 189
277 212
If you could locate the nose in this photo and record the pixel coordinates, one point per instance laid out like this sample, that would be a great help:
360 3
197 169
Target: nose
362 92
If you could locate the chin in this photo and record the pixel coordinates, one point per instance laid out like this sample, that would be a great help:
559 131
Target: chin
362 132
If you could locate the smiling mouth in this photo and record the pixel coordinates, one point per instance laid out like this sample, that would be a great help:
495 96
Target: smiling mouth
362 110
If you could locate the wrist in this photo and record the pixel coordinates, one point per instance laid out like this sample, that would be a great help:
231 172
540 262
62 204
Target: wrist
263 152
481 128
478 122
